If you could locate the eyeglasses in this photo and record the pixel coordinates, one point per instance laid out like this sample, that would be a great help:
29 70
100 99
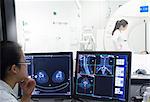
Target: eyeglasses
24 63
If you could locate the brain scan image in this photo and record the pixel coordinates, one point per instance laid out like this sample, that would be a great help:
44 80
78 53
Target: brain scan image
105 67
85 84
58 77
86 64
41 77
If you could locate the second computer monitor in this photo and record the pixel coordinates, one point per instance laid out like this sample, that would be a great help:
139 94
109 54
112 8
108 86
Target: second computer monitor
103 75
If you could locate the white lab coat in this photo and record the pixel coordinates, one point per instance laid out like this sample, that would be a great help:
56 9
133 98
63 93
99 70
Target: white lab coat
6 93
120 41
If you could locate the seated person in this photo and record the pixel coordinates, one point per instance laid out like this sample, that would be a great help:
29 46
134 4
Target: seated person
14 70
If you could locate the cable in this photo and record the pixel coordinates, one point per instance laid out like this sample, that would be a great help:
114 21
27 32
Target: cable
142 87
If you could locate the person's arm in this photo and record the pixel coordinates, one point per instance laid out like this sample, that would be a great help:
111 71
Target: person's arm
27 86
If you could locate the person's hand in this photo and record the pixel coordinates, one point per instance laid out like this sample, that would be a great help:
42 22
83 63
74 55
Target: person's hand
27 86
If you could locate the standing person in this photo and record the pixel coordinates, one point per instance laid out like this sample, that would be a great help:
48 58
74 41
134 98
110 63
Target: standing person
14 70
119 37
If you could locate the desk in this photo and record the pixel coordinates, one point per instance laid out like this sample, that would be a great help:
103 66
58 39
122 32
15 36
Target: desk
66 100
140 79
138 76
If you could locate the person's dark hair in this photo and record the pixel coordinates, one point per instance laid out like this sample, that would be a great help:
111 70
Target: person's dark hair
119 24
10 55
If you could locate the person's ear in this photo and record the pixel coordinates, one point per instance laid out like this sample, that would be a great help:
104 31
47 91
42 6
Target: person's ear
14 69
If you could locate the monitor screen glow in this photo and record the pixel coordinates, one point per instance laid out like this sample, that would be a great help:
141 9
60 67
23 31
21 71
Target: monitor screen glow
52 73
103 75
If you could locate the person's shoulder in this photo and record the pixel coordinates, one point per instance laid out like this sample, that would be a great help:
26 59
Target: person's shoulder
116 34
117 31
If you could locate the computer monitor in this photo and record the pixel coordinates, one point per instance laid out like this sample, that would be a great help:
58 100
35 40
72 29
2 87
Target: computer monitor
103 75
52 73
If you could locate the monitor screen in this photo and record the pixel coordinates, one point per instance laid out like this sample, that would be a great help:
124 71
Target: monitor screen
52 73
103 75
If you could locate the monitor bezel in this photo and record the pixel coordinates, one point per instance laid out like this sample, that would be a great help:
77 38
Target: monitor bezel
54 96
128 80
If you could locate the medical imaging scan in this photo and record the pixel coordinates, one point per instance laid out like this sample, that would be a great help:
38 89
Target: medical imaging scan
52 73
103 75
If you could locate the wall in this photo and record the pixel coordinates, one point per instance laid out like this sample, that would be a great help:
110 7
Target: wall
56 25
94 9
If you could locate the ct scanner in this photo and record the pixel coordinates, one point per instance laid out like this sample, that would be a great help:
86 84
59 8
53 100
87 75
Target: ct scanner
137 13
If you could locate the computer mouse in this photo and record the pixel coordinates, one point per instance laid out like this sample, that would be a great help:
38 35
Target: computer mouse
141 71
